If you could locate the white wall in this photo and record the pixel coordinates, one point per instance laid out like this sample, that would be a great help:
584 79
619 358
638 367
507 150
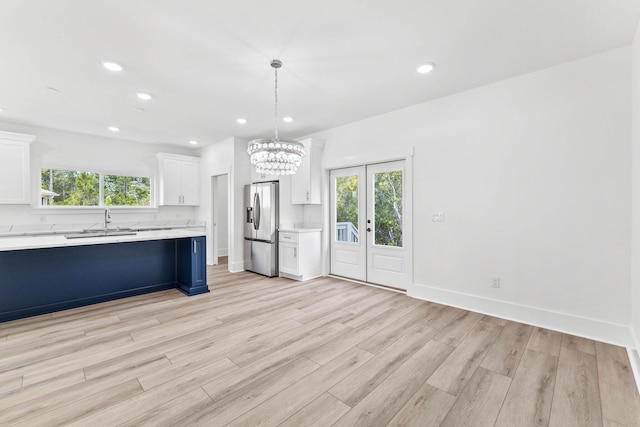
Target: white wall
242 177
635 188
533 175
230 157
58 149
216 159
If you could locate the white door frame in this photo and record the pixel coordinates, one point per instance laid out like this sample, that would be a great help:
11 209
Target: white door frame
214 220
215 196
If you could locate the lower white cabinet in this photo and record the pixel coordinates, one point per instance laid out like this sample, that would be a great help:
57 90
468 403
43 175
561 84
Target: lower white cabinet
300 253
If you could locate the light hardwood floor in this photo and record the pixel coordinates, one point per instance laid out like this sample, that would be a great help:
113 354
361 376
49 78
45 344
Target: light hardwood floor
270 352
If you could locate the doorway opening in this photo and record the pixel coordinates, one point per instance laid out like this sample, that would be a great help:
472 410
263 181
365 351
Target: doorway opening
219 242
371 224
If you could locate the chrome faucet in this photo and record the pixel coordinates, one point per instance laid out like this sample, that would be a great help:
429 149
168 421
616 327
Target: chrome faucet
107 218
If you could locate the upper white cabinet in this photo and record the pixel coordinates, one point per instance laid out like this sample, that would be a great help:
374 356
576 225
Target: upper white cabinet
306 183
14 168
179 180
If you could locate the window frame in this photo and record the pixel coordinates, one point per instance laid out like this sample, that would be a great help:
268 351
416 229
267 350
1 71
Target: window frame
101 205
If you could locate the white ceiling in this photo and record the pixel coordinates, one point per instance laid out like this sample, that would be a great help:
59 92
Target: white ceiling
207 62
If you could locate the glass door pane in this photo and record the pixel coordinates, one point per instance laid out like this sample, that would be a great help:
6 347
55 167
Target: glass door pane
387 206
346 205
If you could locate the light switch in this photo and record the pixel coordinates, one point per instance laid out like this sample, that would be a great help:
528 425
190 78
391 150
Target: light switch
437 216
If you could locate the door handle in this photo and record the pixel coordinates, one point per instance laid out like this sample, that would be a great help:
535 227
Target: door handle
195 249
257 211
295 252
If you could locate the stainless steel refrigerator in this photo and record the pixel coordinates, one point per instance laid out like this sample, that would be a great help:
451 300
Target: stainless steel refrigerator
261 228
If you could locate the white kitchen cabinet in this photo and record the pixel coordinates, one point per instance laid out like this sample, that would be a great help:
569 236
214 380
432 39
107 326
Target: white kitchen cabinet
300 255
179 180
15 185
288 259
306 184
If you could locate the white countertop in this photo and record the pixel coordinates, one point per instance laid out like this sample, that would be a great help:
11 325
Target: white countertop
55 241
299 230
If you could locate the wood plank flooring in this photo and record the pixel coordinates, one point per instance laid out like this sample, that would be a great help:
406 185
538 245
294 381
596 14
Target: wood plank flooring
275 352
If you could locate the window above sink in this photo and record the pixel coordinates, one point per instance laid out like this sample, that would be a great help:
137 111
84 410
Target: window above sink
77 188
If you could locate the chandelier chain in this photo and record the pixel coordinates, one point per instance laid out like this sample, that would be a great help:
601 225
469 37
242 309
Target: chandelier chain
275 120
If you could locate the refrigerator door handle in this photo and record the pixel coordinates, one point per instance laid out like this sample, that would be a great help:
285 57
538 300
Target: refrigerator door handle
257 209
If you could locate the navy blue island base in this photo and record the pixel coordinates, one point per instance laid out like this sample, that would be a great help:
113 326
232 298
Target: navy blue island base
39 281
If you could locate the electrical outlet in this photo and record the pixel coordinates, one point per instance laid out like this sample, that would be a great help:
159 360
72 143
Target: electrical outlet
437 216
495 282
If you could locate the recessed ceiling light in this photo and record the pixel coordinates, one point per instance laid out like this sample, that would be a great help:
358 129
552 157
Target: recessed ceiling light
241 121
144 96
287 119
114 129
193 142
52 89
426 68
112 66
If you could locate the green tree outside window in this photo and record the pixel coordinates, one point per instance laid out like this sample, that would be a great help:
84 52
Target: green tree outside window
387 193
126 191
79 188
347 199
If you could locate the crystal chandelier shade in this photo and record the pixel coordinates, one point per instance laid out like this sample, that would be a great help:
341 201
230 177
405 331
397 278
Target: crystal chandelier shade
275 156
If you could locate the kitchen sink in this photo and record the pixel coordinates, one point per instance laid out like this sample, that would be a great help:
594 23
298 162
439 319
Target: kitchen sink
102 232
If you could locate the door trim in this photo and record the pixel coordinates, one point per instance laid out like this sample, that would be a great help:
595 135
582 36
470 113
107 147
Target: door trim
369 158
212 244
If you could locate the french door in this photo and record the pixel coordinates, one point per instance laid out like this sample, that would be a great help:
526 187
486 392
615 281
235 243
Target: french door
369 239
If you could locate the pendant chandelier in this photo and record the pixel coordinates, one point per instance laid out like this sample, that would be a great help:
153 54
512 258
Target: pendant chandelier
275 156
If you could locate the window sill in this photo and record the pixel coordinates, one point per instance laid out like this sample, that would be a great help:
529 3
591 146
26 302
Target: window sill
91 209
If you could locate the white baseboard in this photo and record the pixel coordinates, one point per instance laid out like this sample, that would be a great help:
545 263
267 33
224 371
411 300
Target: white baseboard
236 267
298 278
612 333
634 356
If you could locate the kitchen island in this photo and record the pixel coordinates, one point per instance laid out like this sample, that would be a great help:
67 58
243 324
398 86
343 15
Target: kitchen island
46 273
